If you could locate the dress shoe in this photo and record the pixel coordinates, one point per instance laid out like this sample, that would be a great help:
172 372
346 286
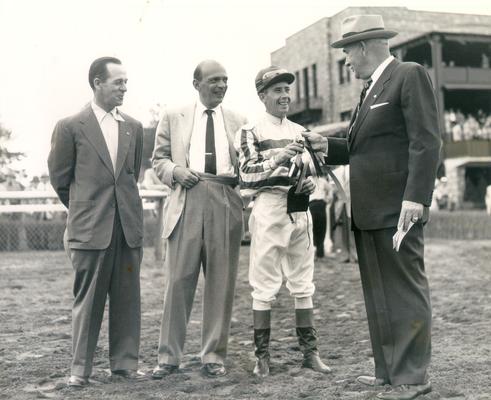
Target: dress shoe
163 370
371 380
405 392
129 374
213 370
76 381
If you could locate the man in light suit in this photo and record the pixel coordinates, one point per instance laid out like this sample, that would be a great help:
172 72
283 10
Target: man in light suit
94 165
393 149
194 155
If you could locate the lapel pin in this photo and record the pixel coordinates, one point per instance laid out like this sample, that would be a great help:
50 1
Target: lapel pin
128 133
374 96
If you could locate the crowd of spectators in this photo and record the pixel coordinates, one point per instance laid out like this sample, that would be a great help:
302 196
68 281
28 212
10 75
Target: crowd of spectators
460 126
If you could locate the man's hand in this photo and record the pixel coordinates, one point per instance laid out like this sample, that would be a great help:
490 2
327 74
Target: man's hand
308 186
410 212
288 152
318 142
185 177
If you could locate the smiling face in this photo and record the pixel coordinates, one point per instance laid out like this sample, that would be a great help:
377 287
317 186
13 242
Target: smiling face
213 84
276 98
357 61
109 93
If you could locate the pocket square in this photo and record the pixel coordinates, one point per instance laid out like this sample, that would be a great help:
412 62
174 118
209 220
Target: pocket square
378 105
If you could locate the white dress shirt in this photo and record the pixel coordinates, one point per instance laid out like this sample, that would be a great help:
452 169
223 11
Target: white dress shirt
108 121
197 147
376 74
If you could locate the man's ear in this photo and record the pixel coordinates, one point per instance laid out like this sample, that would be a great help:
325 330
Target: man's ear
196 84
363 46
261 96
97 82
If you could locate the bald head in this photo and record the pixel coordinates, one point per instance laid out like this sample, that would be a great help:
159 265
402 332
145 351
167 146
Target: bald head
210 80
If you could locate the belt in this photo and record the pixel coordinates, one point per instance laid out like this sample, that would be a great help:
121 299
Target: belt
224 180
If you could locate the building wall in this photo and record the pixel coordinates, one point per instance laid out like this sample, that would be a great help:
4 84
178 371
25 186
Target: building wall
302 50
312 46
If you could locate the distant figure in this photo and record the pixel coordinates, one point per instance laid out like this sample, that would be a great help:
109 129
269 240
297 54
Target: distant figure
319 199
94 165
487 199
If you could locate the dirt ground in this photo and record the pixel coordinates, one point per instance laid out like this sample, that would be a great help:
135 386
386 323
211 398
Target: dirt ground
35 345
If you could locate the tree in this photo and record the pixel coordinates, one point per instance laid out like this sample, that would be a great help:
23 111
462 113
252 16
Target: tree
6 156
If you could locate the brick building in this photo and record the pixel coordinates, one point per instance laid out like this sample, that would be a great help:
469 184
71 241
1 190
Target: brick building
456 49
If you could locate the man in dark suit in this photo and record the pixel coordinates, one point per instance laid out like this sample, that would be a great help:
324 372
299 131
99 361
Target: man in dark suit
393 149
194 155
94 165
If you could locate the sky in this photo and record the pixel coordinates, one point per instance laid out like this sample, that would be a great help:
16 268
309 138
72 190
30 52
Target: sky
47 47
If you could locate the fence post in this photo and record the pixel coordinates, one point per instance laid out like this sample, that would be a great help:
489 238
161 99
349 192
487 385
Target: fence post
22 233
159 247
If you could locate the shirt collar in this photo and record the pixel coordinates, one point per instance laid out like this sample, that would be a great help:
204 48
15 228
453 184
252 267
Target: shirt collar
380 69
200 108
275 120
100 113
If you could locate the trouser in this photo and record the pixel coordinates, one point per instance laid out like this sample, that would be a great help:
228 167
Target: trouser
397 301
114 271
208 233
280 246
319 219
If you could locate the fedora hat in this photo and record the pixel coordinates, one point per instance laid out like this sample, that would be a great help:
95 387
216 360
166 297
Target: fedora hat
362 27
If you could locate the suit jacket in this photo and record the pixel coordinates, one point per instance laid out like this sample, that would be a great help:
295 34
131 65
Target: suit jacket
394 147
82 175
172 141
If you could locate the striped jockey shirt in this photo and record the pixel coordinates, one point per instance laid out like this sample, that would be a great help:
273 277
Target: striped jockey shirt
257 143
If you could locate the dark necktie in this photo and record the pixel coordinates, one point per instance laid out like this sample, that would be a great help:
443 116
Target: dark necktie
363 93
210 156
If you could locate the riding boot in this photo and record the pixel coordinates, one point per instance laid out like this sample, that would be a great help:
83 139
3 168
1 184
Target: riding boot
262 332
307 339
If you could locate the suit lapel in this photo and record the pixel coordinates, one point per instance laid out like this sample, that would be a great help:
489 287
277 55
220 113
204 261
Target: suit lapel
187 120
372 97
124 140
230 130
93 133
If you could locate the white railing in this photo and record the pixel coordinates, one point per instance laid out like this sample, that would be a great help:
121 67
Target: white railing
36 202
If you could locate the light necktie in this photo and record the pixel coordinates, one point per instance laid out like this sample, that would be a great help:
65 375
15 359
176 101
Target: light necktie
363 93
210 156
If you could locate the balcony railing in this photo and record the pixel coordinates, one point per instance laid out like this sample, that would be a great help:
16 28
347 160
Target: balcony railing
460 77
297 106
306 110
468 148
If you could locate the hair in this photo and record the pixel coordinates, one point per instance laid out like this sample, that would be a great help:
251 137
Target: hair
98 69
198 71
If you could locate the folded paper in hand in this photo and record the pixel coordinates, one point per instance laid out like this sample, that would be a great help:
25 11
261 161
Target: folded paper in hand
399 235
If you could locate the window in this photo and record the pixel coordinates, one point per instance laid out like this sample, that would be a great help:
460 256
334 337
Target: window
306 82
344 73
345 115
314 80
297 81
341 71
